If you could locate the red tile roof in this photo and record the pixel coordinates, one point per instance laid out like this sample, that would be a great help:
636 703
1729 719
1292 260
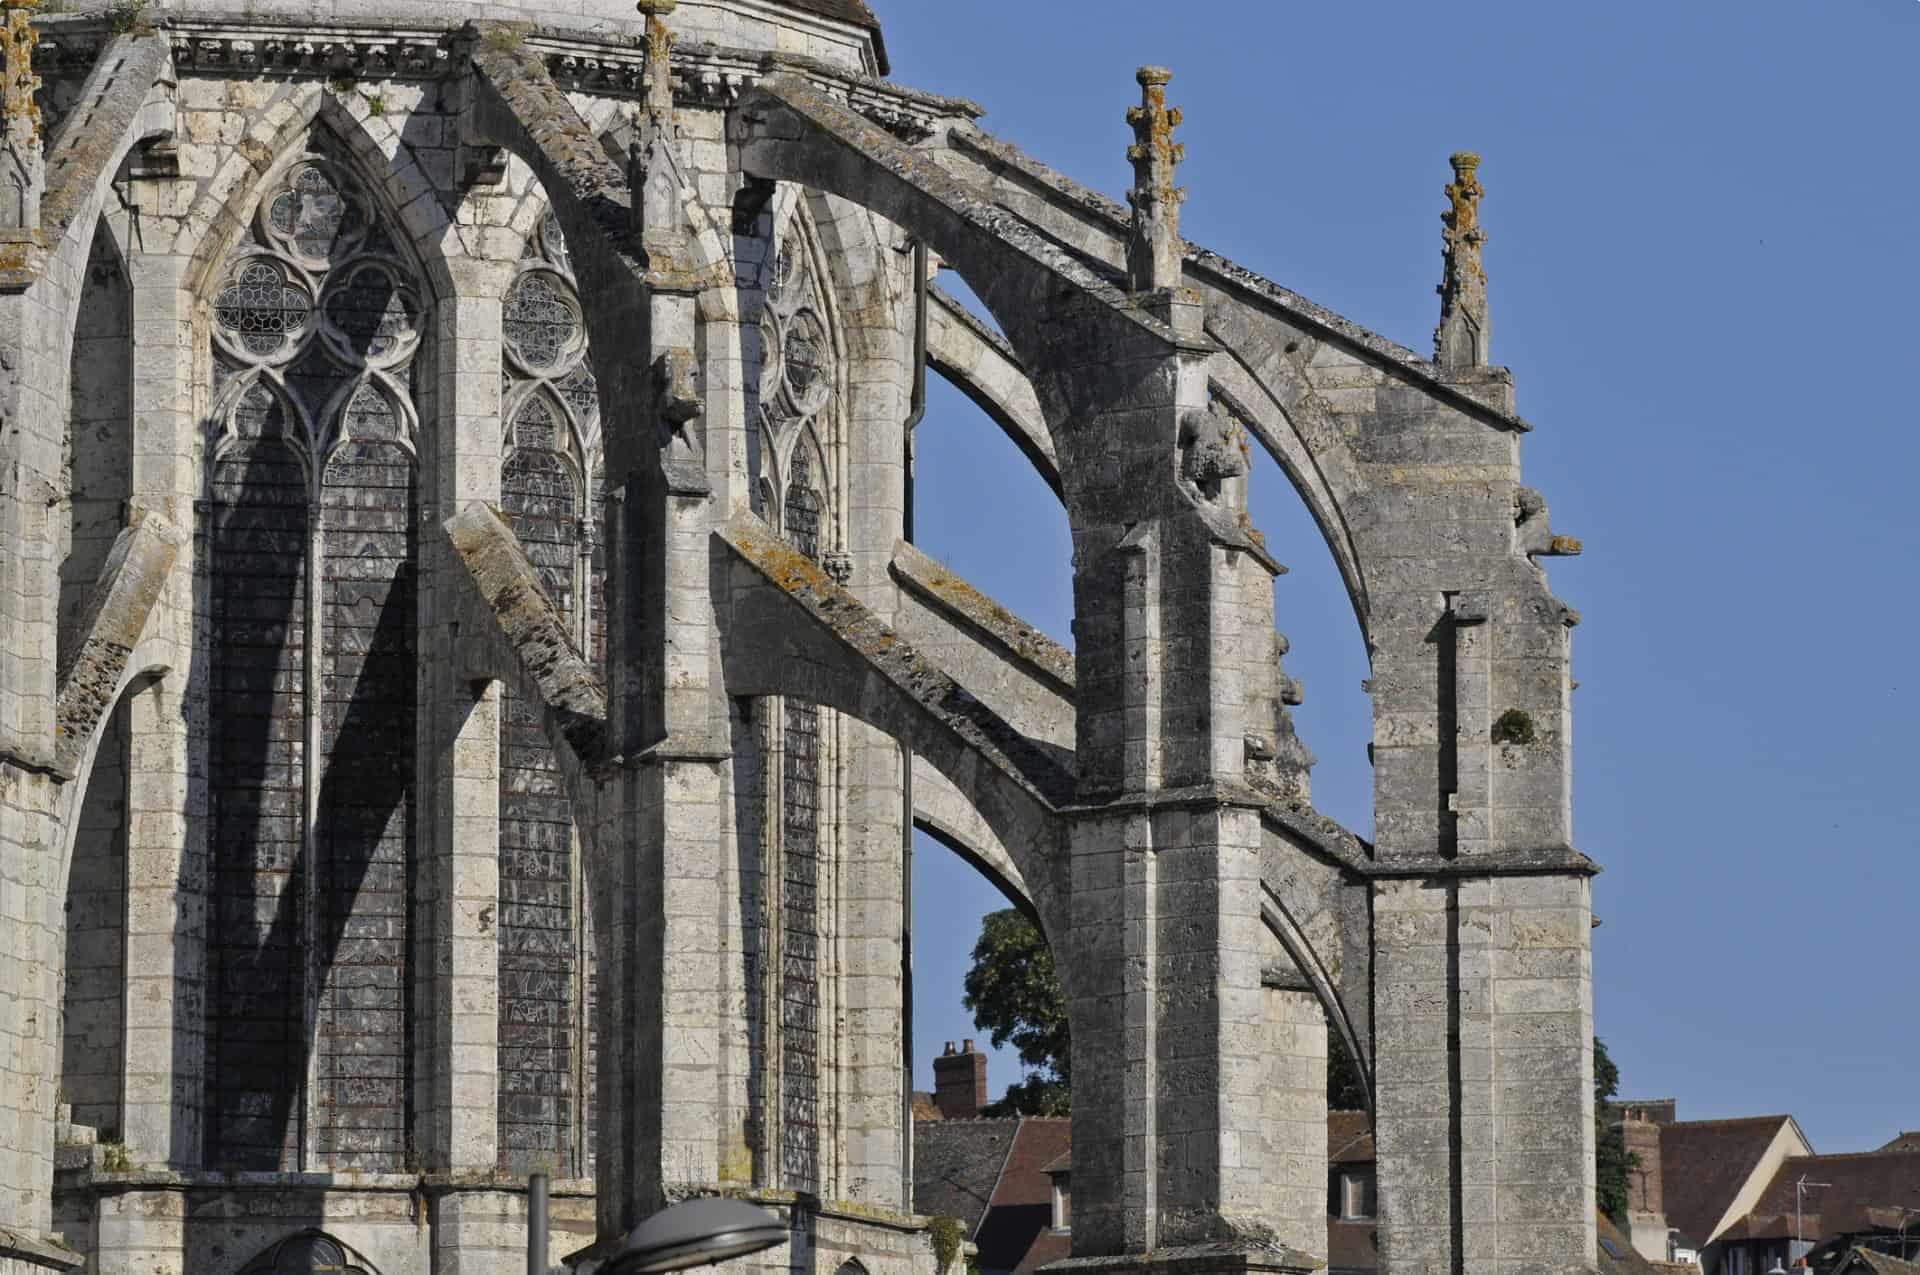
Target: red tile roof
1349 1137
1866 1260
1865 1192
1705 1163
1019 1218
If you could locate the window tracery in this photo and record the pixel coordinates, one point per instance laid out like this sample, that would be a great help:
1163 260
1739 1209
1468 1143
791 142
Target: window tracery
800 373
799 386
311 540
550 495
320 306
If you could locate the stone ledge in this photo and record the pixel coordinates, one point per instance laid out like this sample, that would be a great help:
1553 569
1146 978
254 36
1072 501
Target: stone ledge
1547 861
946 592
435 1184
18 1250
1194 1259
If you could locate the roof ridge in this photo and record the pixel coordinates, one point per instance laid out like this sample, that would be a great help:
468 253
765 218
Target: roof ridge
1694 1124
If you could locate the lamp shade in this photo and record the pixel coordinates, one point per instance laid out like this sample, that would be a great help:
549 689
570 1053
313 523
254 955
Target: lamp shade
696 1233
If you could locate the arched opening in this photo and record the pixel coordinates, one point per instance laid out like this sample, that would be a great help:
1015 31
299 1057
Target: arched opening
981 508
94 977
99 439
951 898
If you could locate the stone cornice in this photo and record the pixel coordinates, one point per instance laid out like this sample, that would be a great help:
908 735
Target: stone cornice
705 75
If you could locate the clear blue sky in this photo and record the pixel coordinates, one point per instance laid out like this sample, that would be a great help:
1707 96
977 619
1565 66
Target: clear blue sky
1702 257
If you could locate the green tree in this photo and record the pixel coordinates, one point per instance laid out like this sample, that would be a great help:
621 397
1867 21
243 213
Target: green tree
1344 1090
1612 1161
1015 996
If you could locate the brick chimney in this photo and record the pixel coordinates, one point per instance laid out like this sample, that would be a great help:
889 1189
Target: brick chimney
1646 1202
960 1082
1644 1190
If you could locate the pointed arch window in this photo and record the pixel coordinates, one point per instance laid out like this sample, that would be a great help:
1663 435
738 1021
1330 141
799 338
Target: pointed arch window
799 410
551 497
309 542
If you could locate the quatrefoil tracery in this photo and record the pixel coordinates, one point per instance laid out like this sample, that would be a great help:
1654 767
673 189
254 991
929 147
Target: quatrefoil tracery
317 324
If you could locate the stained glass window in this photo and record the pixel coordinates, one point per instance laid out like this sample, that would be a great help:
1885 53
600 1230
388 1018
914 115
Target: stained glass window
540 325
581 392
262 308
315 215
308 1253
372 313
311 516
369 416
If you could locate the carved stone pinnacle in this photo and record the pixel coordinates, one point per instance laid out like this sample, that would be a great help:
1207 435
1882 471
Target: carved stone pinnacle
1461 339
1153 248
22 158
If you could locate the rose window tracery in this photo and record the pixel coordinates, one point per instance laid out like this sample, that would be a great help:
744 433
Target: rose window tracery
262 308
371 316
320 301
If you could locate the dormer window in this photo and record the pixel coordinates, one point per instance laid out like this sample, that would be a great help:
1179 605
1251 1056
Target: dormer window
1356 1194
1062 1201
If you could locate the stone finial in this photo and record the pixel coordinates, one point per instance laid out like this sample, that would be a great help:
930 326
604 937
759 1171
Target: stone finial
1461 339
1153 248
653 165
23 169
659 65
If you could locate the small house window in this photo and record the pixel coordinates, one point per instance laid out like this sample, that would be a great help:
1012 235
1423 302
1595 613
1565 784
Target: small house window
1062 1202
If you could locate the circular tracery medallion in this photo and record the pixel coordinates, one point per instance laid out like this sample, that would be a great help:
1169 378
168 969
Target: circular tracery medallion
262 310
542 327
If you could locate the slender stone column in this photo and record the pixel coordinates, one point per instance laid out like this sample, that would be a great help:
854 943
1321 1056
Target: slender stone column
459 901
869 1088
166 833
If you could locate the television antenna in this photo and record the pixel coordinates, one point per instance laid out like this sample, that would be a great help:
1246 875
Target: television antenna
1800 1190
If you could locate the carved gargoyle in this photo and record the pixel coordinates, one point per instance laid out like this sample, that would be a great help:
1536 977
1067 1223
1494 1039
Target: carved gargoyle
1533 532
1210 452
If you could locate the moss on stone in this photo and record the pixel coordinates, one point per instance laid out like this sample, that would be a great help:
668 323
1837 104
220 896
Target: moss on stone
946 1236
1513 727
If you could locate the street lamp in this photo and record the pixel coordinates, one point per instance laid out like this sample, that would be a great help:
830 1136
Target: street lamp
696 1233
